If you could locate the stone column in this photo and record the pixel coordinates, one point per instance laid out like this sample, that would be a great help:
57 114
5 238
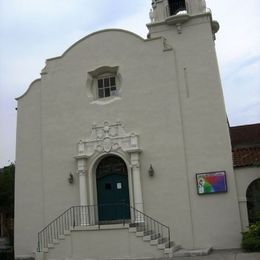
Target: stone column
83 187
137 189
242 202
83 194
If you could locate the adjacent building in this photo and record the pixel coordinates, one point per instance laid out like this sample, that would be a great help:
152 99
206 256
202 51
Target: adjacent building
245 142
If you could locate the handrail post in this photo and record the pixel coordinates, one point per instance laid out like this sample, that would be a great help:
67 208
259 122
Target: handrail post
73 216
38 246
169 235
83 216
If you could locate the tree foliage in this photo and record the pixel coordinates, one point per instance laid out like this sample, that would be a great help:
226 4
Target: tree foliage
7 175
7 189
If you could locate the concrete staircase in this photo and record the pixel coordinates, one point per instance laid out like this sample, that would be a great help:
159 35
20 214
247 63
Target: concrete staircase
166 247
155 235
155 239
56 242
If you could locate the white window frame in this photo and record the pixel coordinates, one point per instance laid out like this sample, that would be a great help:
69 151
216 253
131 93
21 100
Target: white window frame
103 73
107 87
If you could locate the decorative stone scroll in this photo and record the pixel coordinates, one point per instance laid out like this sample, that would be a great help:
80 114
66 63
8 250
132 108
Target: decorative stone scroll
107 138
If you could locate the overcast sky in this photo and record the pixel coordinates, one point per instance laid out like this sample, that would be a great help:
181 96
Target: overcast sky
33 30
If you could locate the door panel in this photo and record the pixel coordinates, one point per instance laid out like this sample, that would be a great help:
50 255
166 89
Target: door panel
112 189
113 196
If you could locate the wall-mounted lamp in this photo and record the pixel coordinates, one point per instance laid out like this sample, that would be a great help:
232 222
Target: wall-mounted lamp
151 171
71 178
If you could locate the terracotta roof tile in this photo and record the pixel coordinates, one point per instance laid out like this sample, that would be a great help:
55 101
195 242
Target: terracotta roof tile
245 142
249 156
245 135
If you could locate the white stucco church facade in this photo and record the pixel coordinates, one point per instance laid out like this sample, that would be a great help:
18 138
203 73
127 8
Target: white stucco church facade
115 139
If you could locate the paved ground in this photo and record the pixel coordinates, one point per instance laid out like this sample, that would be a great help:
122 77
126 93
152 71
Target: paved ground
224 255
215 255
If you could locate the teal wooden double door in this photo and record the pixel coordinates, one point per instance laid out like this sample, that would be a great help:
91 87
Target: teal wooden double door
112 189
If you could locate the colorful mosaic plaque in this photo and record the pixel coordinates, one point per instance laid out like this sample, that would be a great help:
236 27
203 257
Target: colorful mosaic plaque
211 182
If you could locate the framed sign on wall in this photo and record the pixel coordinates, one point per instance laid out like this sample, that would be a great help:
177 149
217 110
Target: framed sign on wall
211 182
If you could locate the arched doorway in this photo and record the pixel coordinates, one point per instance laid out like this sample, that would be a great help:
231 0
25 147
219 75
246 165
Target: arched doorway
112 190
253 201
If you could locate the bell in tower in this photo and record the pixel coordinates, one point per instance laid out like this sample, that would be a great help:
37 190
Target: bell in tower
176 6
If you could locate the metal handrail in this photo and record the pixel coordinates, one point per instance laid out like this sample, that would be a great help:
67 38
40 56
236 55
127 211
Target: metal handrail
79 216
160 230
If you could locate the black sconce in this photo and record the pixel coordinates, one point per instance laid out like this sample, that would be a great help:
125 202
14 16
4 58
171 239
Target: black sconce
151 171
71 178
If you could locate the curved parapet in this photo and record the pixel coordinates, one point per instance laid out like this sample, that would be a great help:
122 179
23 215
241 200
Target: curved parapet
93 34
33 84
46 68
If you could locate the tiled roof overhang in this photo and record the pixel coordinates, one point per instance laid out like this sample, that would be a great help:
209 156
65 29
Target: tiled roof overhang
249 156
245 142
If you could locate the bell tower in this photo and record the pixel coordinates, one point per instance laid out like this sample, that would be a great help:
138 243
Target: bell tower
162 9
180 14
187 32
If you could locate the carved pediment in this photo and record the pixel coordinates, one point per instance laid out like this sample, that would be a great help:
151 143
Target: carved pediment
107 138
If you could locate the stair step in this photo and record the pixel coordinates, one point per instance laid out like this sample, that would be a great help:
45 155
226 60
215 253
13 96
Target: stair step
50 246
137 224
132 229
148 232
155 236
136 227
165 245
45 250
139 229
154 239
169 244
148 235
55 241
154 242
61 237
172 249
139 233
147 238
67 232
162 243
162 240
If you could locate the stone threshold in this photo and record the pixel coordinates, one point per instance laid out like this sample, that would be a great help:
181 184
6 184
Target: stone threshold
100 227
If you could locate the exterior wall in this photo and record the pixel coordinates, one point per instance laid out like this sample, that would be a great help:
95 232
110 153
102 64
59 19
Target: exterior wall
244 177
29 181
67 106
170 96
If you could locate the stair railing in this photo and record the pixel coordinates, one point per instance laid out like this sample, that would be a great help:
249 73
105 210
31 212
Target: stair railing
55 229
93 215
150 226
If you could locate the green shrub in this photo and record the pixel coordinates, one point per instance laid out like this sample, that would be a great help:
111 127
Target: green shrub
251 238
7 255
